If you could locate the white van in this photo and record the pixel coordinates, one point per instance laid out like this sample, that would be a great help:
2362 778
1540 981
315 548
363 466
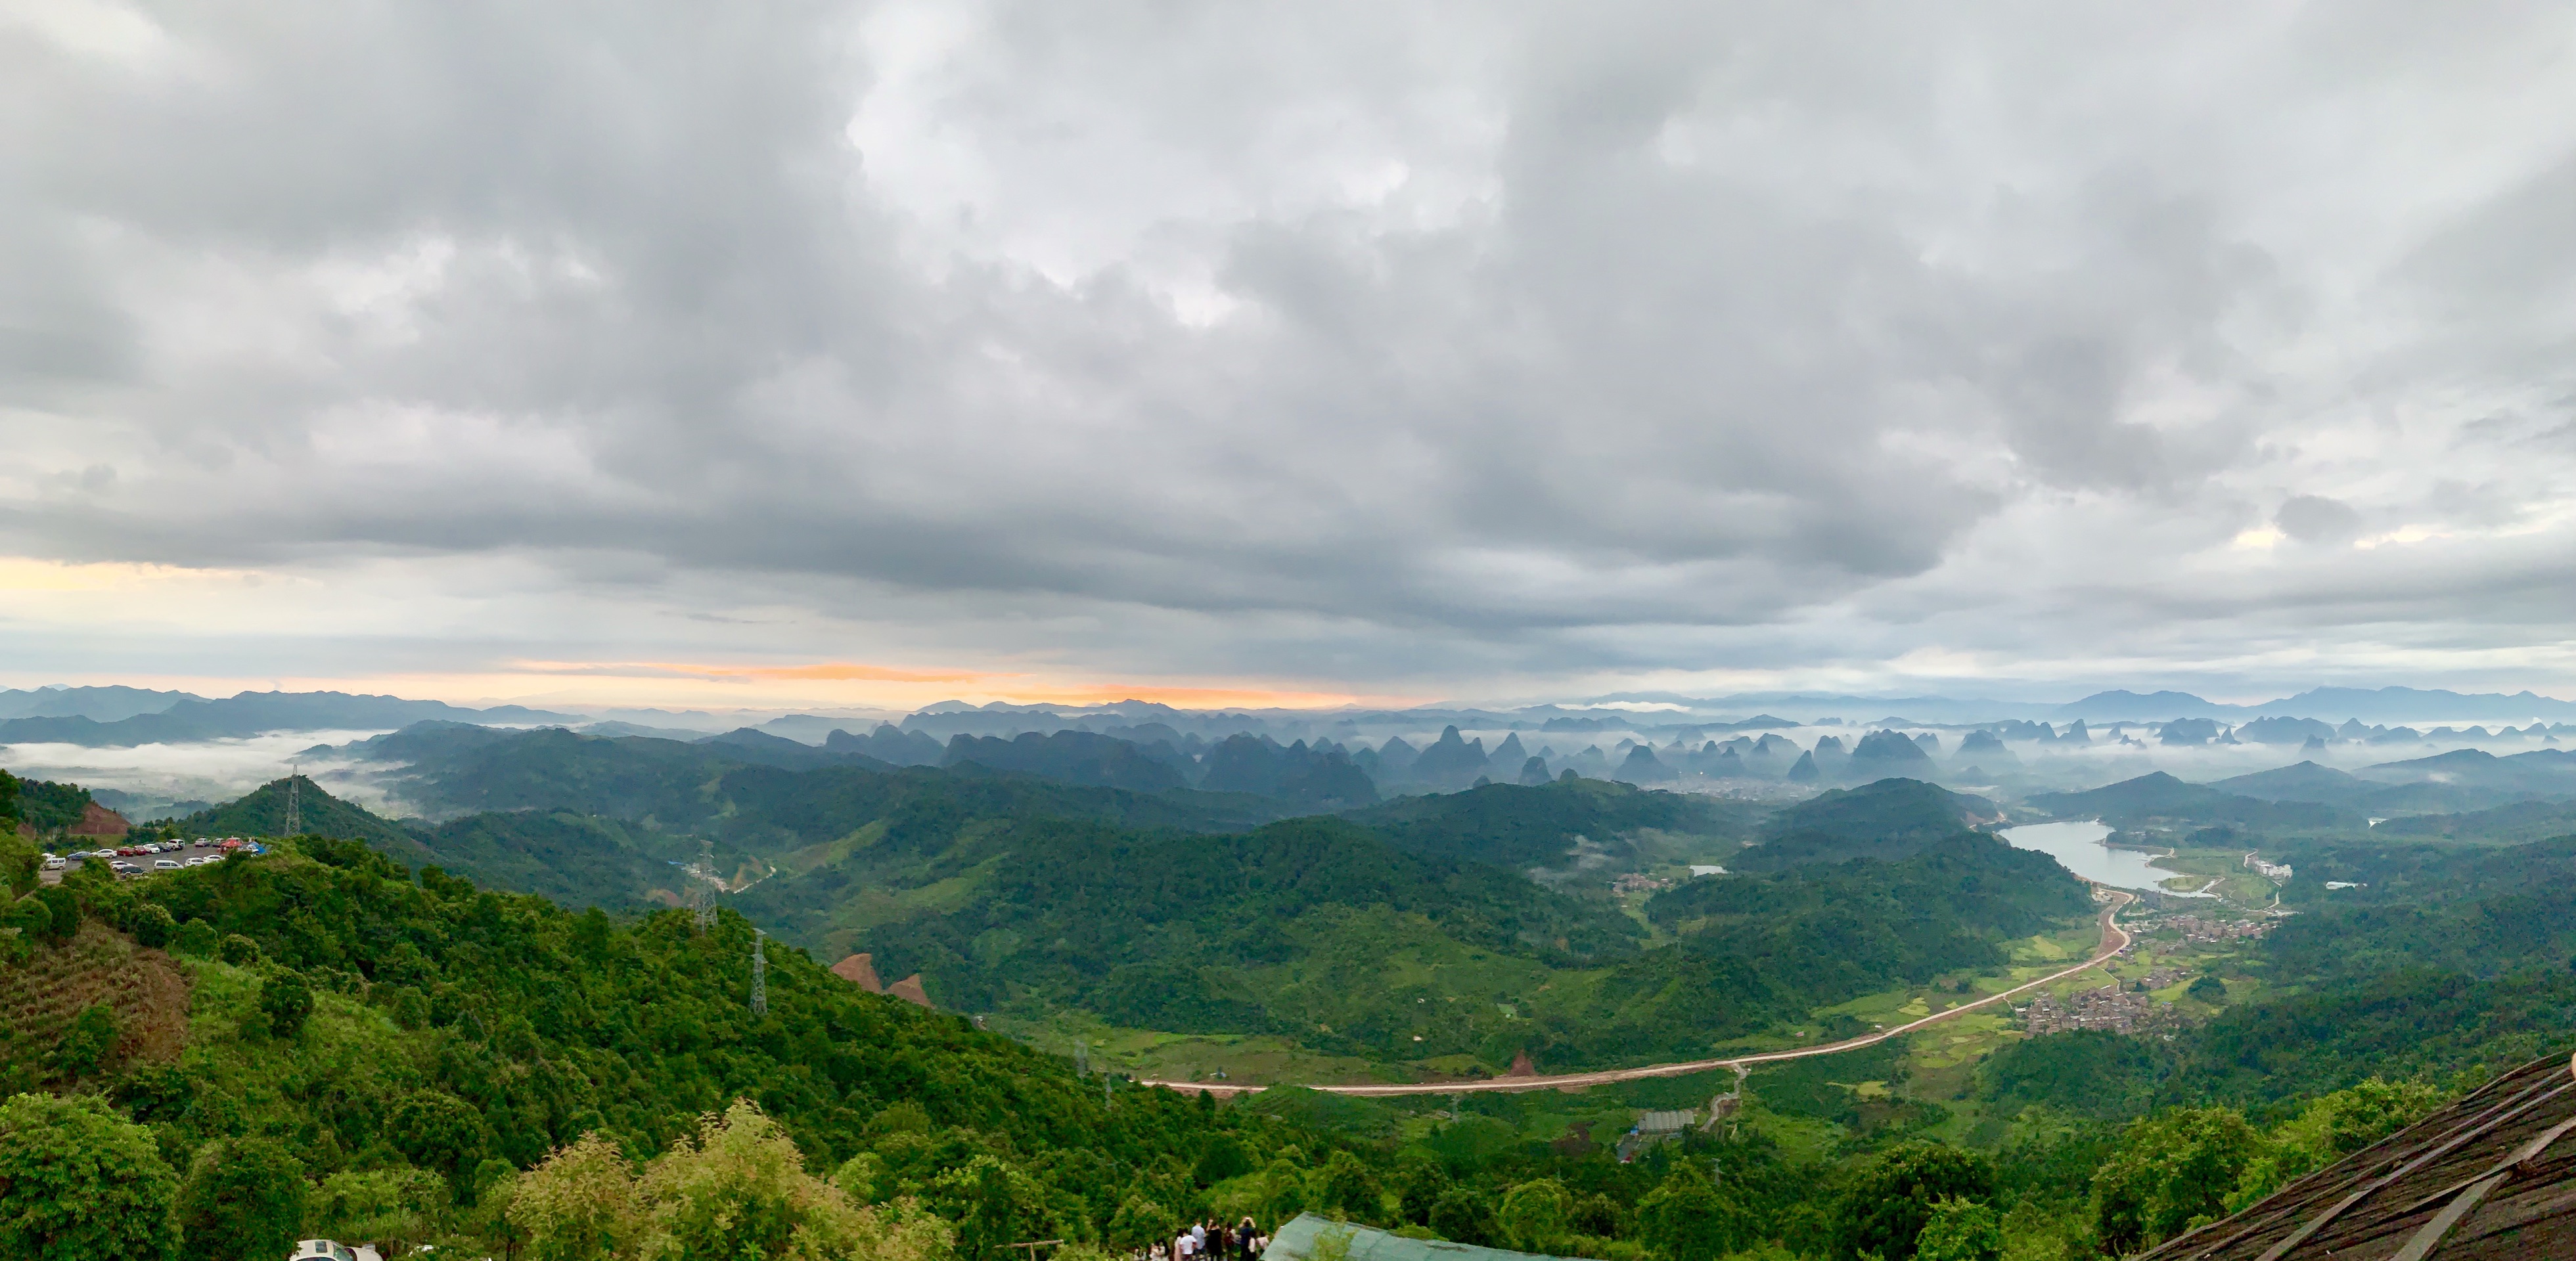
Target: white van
326 1250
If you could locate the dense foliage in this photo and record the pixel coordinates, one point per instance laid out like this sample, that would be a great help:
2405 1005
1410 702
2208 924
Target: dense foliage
445 1028
1886 819
1509 825
1169 930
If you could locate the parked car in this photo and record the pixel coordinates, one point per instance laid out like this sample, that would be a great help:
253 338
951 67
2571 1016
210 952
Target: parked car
53 863
327 1250
164 864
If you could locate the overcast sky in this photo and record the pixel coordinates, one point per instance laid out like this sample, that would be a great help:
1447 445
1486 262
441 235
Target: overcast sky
769 351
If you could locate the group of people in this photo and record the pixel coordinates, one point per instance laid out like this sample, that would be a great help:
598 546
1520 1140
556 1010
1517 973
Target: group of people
1207 1240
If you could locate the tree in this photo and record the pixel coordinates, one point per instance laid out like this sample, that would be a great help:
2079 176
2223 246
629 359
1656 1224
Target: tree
19 859
1688 1218
739 1189
1138 1224
401 1205
1534 1214
1347 1187
78 1181
64 907
1890 1197
438 1132
1419 1181
153 927
992 1204
243 1198
579 1205
2168 1172
1960 1230
1283 1192
286 1001
1223 1157
88 1045
1461 1215
31 917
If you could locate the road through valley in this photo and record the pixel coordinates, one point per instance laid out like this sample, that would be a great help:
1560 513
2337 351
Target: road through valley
2114 940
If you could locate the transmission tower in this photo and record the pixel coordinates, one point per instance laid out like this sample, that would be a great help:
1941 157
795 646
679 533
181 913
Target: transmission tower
699 903
294 815
1081 1059
759 975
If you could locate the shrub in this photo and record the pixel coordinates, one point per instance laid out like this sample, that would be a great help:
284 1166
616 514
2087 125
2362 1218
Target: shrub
79 1182
244 1198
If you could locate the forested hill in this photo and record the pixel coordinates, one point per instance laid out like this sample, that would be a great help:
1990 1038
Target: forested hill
353 1020
1887 819
1168 930
1510 825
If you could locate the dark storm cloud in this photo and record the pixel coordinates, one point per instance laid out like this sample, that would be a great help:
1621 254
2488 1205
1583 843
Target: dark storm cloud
1637 337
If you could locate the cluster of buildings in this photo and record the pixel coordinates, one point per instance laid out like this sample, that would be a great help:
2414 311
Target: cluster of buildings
1666 1126
2279 872
1638 882
2203 928
2110 1007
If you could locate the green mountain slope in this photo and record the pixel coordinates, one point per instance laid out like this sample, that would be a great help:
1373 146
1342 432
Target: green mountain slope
516 1026
1509 825
1170 930
262 812
2161 796
1885 819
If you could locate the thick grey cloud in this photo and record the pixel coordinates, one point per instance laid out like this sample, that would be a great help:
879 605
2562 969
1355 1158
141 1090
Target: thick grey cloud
1420 346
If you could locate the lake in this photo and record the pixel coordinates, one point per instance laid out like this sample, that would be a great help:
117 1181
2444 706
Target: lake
2078 846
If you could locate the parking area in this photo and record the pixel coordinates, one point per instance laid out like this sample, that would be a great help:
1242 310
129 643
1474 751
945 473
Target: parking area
142 859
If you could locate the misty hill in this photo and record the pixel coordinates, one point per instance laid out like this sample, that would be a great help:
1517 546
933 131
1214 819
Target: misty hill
255 713
2407 704
1886 819
2158 795
262 812
1885 754
2304 781
1449 762
2521 822
2121 705
2308 781
1308 779
2331 704
2546 772
889 744
764 749
98 704
1075 757
572 859
1516 826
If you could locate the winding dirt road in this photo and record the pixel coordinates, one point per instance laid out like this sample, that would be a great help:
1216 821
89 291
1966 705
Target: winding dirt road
2114 940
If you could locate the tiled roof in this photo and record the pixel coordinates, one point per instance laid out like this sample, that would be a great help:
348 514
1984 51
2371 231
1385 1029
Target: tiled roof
1296 1242
2490 1177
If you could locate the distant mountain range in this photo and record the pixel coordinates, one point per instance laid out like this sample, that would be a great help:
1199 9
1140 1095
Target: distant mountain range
189 718
121 717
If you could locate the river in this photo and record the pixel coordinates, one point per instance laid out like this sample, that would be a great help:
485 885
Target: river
2078 845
